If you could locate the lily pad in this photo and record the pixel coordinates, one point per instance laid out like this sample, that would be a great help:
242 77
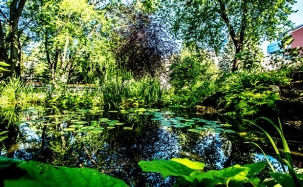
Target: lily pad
87 128
99 128
193 130
203 120
80 122
127 128
229 131
69 129
226 125
242 133
188 124
179 126
168 113
53 116
76 126
140 110
119 123
104 120
179 118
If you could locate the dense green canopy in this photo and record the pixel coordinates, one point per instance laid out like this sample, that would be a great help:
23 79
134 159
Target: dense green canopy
210 24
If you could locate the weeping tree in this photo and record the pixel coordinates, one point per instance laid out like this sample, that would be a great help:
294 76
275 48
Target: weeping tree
211 23
144 44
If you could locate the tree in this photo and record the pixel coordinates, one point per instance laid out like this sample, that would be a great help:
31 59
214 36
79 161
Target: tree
210 23
144 43
72 40
10 51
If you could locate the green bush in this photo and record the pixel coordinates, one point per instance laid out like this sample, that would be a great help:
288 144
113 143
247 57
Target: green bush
192 77
244 93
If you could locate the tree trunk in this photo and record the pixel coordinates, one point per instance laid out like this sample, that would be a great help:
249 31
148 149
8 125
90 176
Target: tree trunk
236 61
3 54
16 8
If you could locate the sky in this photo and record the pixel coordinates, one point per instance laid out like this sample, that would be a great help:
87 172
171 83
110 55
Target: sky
297 18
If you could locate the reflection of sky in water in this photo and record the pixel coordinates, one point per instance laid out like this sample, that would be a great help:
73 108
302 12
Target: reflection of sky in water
276 164
28 137
120 158
119 151
163 143
30 131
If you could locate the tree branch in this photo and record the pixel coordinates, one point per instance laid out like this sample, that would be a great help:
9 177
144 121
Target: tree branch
243 21
2 13
222 12
20 8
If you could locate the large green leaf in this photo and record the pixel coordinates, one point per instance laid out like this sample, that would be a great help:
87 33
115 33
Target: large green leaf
22 173
189 163
167 168
235 173
255 168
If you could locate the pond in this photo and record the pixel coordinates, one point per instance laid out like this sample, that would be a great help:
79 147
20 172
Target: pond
115 141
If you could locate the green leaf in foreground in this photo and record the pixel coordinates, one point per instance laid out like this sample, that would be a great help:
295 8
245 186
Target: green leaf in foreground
191 171
191 164
167 168
255 168
22 173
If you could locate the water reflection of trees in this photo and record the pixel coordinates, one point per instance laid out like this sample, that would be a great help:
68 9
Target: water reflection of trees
9 117
117 151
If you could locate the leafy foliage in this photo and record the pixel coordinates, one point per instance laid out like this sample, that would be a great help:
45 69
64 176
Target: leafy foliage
191 173
245 92
209 24
192 76
13 91
144 43
72 41
22 173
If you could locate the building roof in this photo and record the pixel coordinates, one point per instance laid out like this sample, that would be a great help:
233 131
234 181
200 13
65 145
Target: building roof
295 28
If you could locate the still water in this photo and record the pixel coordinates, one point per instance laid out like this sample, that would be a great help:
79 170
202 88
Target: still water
115 141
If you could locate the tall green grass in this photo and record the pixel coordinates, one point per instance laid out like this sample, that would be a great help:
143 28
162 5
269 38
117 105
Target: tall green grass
13 91
121 93
284 159
118 91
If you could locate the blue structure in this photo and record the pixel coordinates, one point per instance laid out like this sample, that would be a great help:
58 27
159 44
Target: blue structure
273 47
